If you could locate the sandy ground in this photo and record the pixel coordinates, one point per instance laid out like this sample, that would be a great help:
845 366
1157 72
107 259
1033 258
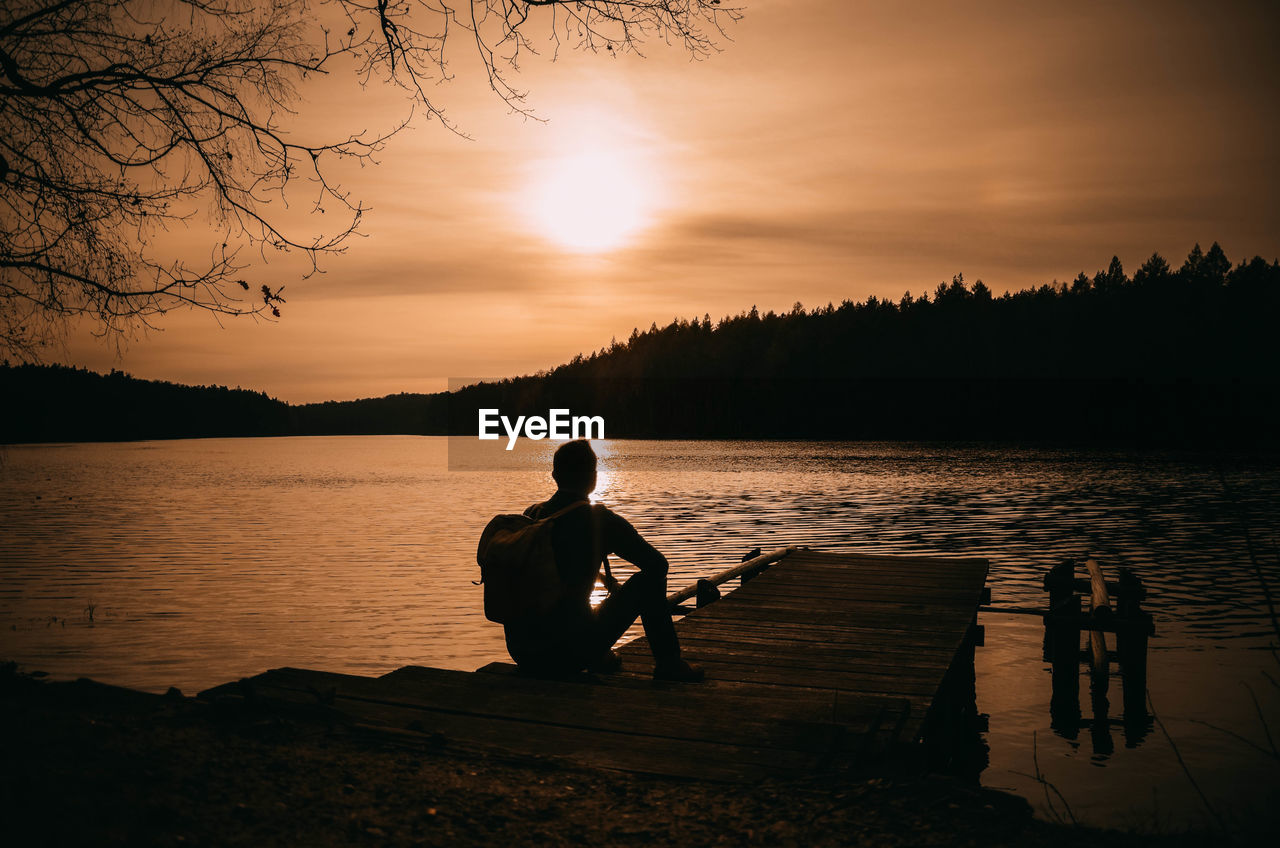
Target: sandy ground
86 764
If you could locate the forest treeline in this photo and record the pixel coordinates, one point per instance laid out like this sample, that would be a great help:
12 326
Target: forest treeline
54 403
1163 356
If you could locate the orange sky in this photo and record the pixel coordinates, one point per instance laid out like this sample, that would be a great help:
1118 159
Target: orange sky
834 150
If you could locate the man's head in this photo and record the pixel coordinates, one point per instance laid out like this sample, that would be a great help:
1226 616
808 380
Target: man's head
574 467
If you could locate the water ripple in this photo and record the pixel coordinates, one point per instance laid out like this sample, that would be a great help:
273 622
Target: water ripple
195 562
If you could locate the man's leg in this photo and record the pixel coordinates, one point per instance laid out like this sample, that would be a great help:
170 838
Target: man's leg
642 596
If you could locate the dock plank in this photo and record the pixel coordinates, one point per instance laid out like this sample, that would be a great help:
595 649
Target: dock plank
865 624
700 759
821 653
901 639
669 713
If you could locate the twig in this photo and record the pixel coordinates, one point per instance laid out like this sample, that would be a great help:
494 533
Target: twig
1253 555
1181 762
1238 737
1039 777
1262 719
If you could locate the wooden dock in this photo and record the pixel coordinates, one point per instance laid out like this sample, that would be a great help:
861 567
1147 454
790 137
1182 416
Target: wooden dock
820 660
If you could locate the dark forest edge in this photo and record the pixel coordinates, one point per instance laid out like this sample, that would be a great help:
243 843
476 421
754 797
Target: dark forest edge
1187 356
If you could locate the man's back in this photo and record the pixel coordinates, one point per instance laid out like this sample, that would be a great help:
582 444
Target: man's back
583 536
572 635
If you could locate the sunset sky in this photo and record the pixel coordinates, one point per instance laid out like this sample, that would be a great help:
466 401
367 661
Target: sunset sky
833 150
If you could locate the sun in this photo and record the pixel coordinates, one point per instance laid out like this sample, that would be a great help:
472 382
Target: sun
590 201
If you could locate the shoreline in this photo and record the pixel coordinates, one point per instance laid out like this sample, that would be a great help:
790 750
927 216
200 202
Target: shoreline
1256 449
96 763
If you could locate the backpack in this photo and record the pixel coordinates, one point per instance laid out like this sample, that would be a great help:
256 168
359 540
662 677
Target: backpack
518 566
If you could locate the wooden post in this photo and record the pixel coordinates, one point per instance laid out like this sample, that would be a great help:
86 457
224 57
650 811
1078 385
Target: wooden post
1100 724
1062 648
1060 583
1063 623
1130 594
706 593
1099 662
1099 599
1133 626
1100 611
749 567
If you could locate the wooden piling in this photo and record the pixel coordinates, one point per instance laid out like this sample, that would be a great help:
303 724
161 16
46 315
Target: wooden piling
1062 647
1133 627
1063 623
706 592
1099 611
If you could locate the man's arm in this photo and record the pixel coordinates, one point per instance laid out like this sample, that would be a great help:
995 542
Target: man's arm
610 582
624 540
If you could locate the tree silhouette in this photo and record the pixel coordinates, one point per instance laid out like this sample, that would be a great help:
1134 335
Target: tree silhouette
1166 358
124 121
1153 272
1113 278
1185 356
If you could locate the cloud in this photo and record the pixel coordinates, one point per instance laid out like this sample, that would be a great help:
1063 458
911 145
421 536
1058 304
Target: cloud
833 150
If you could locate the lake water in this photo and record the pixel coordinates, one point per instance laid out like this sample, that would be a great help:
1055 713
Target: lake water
191 563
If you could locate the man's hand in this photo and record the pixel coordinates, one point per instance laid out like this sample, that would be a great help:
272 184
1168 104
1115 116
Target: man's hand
607 579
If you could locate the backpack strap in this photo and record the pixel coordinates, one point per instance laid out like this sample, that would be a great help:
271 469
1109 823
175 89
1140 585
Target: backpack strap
561 512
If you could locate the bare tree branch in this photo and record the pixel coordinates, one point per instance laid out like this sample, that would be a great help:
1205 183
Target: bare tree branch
124 122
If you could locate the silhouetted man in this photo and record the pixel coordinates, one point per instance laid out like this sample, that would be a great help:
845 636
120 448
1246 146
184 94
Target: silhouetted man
573 636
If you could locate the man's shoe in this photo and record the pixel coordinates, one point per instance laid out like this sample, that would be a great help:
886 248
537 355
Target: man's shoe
678 671
607 663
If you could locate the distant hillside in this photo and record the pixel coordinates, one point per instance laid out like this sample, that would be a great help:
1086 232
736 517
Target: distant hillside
52 403
1171 356
393 414
1167 356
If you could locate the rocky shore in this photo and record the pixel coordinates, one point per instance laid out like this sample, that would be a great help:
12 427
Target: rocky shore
88 764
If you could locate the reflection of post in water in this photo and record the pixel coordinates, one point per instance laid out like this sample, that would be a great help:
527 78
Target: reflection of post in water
1132 626
1099 662
1062 649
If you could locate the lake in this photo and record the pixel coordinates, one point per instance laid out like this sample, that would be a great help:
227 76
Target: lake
191 563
